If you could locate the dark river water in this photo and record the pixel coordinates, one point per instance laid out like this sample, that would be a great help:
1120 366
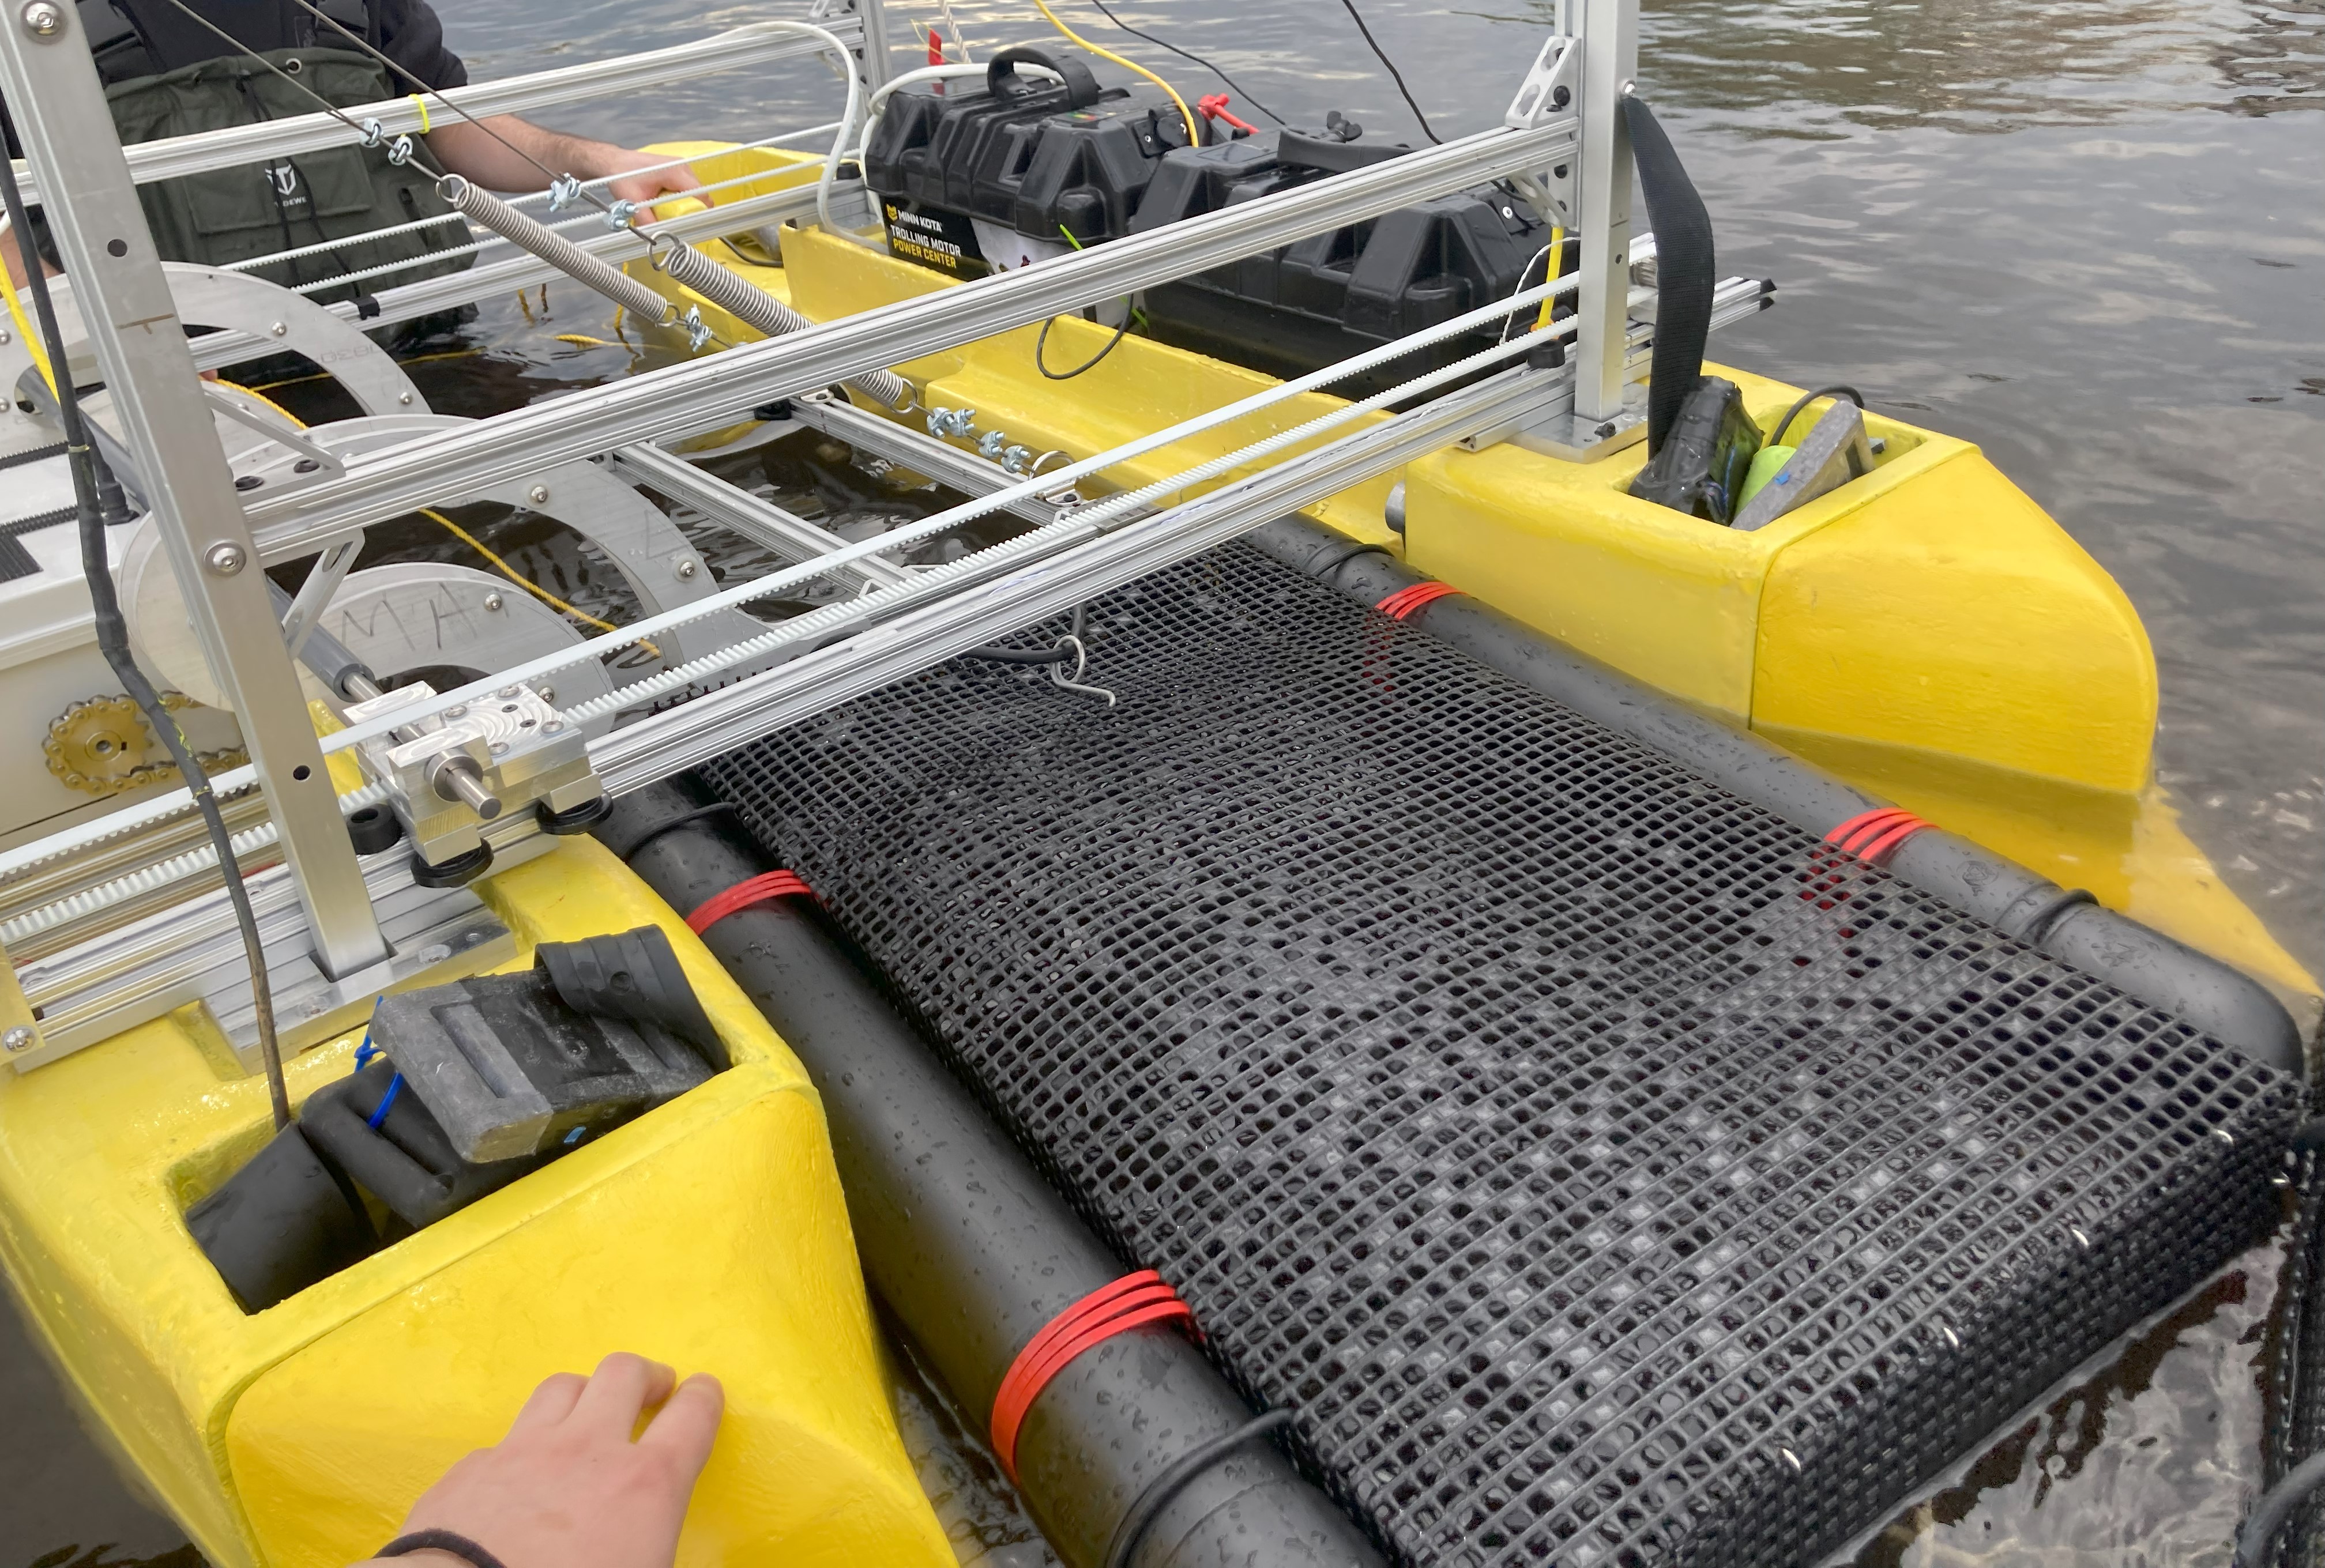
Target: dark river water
2088 235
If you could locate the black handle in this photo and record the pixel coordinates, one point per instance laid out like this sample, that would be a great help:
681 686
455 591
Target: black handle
1001 80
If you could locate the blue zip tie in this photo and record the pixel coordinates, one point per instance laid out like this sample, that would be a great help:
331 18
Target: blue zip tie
395 1087
366 1052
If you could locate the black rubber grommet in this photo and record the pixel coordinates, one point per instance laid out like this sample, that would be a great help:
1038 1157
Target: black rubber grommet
459 870
373 828
580 819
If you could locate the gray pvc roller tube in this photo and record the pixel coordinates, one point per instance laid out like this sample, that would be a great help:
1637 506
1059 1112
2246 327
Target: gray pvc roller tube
975 1252
2223 1001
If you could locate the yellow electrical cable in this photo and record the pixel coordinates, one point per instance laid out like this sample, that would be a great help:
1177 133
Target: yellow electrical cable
23 328
1557 254
535 589
463 535
258 395
1194 135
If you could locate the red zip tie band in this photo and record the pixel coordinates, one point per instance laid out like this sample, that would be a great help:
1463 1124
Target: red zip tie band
1874 835
1402 604
1214 108
1131 1301
758 889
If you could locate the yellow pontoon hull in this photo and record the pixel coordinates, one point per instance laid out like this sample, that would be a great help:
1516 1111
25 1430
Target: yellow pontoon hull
710 1233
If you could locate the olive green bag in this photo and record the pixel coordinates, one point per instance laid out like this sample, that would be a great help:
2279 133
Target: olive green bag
234 215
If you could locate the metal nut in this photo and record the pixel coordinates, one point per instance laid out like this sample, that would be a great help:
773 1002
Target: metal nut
538 494
225 558
42 19
492 601
17 1039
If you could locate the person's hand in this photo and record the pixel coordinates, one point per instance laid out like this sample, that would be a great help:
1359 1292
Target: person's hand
643 188
568 1487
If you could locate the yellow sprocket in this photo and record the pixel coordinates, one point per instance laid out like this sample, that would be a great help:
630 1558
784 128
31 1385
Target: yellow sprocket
103 746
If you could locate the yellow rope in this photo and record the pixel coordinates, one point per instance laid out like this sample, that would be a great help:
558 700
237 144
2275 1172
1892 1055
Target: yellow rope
583 340
470 540
1557 254
530 587
1194 134
256 395
23 328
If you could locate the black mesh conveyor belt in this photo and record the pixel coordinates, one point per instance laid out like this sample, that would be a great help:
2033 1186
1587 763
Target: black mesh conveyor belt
1602 1172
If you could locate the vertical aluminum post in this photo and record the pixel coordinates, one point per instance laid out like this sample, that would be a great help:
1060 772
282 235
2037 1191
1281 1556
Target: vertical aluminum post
1610 59
58 107
879 65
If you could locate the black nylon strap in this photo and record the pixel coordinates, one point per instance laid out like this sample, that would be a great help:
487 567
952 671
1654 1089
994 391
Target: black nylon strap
1685 269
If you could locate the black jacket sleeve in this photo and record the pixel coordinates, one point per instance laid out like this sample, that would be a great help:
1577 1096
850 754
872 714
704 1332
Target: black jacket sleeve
410 35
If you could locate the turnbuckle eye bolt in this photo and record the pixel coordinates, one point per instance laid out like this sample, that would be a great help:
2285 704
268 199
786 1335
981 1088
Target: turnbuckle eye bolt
399 152
374 132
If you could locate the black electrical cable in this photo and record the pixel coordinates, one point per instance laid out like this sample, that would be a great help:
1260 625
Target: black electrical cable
1240 91
95 496
1041 342
2275 1506
1057 653
1850 393
1394 74
1019 655
1174 1480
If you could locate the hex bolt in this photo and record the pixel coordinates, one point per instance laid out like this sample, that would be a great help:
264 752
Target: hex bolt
279 331
403 398
538 494
492 601
18 1038
686 570
42 19
225 558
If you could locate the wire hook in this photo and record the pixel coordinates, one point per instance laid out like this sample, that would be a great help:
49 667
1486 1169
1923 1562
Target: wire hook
1064 682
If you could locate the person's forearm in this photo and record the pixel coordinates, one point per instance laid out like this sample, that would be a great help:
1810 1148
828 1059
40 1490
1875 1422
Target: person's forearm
505 152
